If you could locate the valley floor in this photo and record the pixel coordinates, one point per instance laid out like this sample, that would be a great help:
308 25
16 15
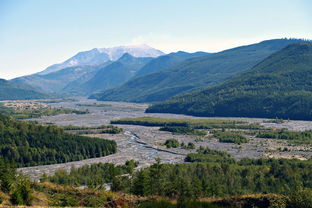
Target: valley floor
144 144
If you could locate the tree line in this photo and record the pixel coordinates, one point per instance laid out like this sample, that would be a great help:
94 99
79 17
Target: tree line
211 173
28 144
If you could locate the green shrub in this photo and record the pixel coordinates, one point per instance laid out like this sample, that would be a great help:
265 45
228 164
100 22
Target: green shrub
95 201
172 143
278 202
65 200
183 130
108 129
198 204
156 204
22 192
168 204
190 145
230 137
301 198
303 137
193 123
209 155
7 175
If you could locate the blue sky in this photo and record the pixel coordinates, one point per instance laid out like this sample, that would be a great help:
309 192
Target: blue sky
35 34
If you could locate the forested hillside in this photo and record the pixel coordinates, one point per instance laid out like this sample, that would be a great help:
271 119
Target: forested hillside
55 82
14 91
194 73
28 144
166 61
280 86
112 75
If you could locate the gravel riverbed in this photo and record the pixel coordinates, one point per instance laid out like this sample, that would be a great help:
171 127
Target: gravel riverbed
143 144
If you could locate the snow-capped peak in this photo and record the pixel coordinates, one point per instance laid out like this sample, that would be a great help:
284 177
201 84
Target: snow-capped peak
142 50
98 56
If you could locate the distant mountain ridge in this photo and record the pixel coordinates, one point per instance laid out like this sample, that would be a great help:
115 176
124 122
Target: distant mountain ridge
144 74
54 82
166 61
279 86
13 91
111 75
193 73
98 56
79 69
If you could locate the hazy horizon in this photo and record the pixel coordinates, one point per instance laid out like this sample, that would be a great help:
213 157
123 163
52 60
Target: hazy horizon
36 34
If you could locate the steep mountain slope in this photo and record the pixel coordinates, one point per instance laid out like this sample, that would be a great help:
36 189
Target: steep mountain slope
98 56
194 73
54 82
280 86
71 87
166 61
13 91
112 75
80 68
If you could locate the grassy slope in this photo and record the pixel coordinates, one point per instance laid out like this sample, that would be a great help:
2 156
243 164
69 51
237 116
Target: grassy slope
52 195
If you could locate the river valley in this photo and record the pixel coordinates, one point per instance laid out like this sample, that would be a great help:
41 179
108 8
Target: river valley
144 144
